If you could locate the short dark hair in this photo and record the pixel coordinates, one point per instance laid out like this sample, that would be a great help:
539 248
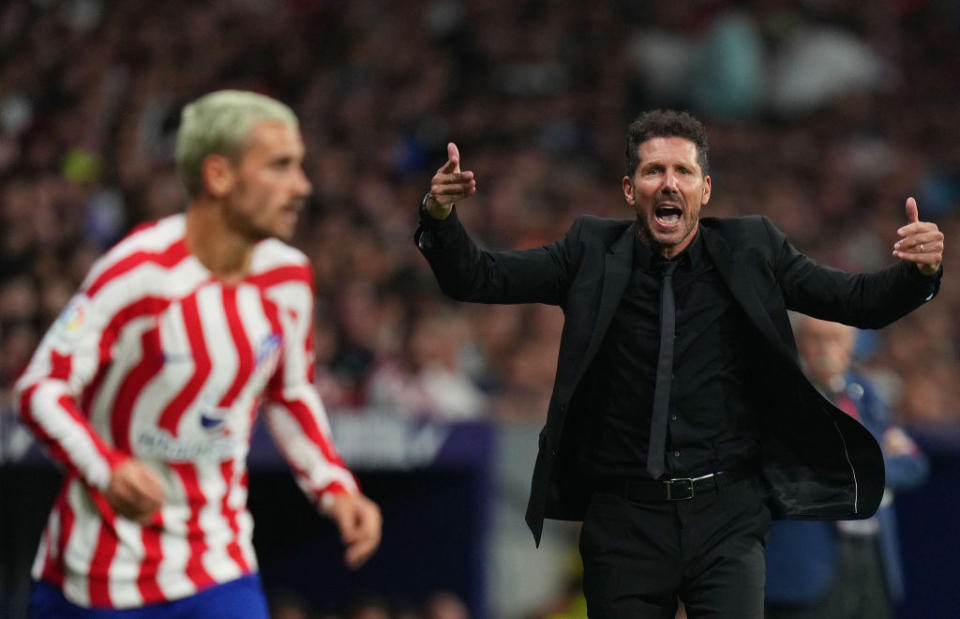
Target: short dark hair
665 124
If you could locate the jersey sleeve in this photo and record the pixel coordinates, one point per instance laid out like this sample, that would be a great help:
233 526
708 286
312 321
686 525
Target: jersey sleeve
50 390
293 411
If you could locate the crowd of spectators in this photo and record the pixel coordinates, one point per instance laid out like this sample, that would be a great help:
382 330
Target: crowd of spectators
823 115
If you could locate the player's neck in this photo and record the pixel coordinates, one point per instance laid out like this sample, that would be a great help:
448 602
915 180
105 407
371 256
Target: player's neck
220 248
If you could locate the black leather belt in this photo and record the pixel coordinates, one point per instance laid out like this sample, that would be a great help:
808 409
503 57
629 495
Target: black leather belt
675 489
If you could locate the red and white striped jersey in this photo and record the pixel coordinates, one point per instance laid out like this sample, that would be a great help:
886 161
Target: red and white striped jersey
157 359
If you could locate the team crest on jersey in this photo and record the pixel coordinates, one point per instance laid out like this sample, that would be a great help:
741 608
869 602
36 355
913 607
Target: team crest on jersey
72 318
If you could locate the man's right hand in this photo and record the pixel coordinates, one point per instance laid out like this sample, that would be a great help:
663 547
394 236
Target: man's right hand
449 185
135 491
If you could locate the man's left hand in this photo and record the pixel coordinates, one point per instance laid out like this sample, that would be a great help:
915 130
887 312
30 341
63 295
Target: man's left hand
359 521
921 242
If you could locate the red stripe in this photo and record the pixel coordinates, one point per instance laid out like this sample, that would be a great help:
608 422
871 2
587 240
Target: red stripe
60 366
280 275
149 366
201 363
140 307
230 514
167 258
152 555
245 361
336 488
99 572
195 537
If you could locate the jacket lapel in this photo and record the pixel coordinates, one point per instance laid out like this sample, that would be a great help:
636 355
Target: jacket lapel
618 263
742 288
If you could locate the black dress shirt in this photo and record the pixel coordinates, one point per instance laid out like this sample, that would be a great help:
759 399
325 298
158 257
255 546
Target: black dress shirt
713 422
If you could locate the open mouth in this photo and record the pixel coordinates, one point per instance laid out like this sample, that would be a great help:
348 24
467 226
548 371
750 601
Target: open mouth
667 215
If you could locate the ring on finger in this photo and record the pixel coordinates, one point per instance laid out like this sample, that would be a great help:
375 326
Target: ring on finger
921 246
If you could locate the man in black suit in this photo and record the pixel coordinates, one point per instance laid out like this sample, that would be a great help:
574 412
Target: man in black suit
680 420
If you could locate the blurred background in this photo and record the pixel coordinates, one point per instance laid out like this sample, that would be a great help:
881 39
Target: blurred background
824 115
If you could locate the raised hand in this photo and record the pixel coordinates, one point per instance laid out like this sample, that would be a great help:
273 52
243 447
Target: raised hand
921 242
449 185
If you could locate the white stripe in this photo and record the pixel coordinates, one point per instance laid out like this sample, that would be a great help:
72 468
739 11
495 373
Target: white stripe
272 253
172 576
216 528
125 566
76 589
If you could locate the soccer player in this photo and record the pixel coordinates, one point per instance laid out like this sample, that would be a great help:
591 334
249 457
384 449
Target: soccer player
147 387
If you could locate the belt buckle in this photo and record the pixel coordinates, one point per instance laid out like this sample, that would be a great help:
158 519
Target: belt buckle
683 484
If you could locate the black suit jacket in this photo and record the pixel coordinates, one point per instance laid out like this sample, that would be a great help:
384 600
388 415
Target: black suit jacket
817 462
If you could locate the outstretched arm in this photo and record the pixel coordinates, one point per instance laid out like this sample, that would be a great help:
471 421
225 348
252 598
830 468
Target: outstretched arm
466 272
865 300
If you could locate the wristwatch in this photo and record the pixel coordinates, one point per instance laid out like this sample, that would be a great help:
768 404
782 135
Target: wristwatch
423 204
423 208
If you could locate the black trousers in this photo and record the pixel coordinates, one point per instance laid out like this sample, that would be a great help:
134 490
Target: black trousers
708 551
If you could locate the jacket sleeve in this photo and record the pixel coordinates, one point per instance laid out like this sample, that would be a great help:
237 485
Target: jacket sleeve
864 300
466 272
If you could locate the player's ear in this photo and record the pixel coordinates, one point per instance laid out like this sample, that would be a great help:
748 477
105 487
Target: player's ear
218 175
707 186
628 191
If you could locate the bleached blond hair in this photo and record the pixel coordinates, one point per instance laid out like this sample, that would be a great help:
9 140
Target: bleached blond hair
220 123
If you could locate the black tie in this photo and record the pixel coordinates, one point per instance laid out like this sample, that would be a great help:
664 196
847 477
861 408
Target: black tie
661 391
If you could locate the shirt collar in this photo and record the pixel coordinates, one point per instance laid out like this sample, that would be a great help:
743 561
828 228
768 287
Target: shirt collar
689 259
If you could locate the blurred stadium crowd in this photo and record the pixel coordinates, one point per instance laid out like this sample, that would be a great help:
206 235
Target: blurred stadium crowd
824 115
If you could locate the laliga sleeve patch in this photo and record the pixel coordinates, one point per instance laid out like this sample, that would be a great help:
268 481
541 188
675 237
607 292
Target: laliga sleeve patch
70 323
